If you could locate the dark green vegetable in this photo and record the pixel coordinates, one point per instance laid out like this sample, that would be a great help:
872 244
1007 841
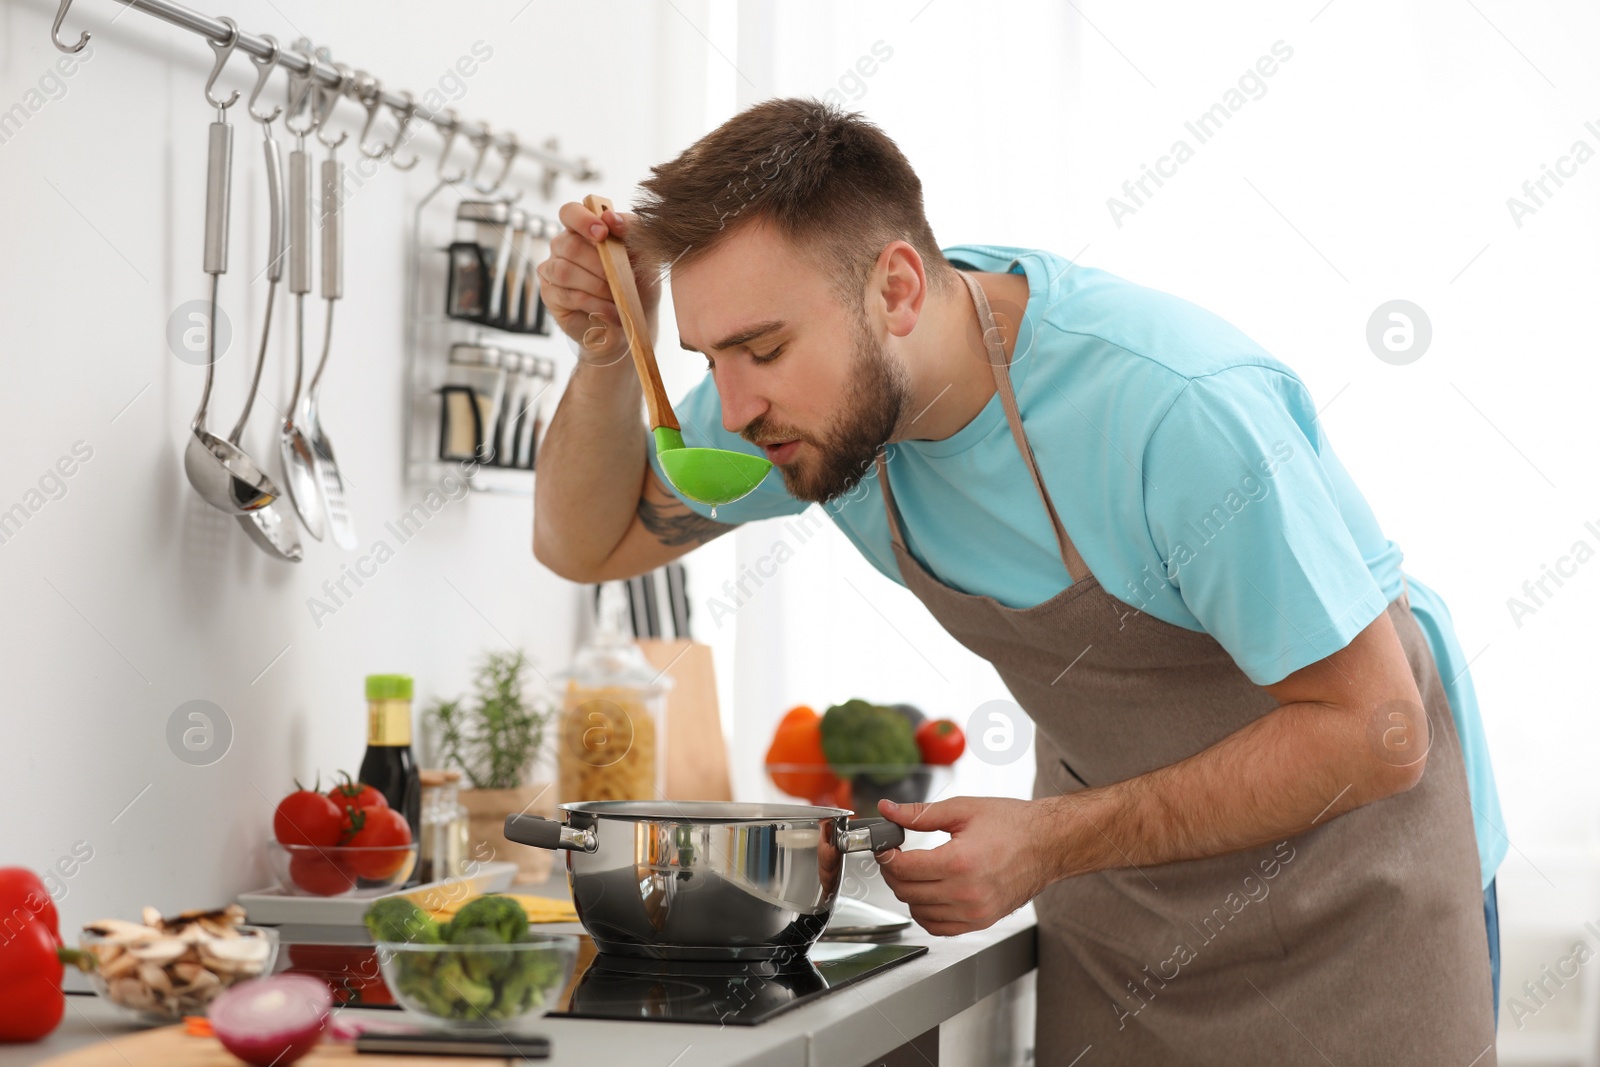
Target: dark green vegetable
398 919
478 976
498 914
857 733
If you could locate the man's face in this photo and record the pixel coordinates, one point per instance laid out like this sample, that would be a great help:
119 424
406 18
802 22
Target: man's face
791 361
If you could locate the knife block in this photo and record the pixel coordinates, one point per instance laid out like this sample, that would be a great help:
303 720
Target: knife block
697 753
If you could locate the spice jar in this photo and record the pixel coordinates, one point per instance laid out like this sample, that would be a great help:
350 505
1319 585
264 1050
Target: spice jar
442 848
613 722
469 402
479 254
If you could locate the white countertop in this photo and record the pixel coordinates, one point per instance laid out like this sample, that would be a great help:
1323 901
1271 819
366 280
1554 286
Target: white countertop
852 1025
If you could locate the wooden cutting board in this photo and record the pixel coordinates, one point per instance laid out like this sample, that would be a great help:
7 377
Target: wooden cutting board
169 1046
697 753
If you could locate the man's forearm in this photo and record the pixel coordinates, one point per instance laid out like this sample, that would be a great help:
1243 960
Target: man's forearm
1295 767
591 467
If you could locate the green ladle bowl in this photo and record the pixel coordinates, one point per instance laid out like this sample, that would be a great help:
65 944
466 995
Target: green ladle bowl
710 475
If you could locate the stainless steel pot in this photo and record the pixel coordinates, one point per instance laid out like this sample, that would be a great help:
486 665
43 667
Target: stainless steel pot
703 880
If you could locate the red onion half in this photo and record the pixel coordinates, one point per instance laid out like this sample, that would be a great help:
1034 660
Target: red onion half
274 1020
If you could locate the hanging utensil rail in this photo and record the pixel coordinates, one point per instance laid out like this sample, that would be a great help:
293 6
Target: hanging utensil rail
218 32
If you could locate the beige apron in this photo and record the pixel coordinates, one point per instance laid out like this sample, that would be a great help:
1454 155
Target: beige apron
1358 941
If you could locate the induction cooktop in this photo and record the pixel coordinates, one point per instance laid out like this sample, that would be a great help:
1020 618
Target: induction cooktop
735 993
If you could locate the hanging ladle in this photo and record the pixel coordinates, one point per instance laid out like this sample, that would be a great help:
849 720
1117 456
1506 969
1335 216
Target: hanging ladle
272 527
710 475
219 470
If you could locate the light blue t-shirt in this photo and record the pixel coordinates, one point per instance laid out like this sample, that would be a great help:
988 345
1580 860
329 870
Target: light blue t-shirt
1188 466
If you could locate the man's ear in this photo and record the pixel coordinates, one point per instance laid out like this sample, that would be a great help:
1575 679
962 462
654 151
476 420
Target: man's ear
899 286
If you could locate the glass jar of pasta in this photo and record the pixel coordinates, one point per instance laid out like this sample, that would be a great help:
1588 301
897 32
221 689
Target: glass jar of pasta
613 719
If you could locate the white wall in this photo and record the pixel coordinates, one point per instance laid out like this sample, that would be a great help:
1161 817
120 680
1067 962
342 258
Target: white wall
128 596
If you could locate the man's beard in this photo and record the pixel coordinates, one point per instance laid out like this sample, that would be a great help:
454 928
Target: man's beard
874 400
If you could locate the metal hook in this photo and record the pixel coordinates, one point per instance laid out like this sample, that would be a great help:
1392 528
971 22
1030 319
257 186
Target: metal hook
55 31
323 102
300 86
370 92
509 151
483 141
408 111
450 130
264 69
222 52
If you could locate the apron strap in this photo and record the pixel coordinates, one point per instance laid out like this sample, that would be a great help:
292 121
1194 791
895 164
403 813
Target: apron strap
1008 399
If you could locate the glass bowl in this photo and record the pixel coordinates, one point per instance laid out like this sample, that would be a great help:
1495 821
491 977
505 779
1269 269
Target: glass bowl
341 870
855 786
479 987
162 980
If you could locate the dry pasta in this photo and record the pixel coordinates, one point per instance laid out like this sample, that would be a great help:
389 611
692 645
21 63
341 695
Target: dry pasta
608 745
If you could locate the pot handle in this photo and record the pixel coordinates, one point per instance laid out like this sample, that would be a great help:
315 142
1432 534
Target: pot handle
877 835
547 833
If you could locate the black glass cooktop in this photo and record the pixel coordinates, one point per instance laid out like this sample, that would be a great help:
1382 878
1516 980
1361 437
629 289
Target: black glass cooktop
734 994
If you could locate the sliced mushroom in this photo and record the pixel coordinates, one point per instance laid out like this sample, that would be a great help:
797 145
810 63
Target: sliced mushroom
155 976
184 972
204 986
216 927
151 917
122 932
238 955
166 950
116 966
131 993
195 934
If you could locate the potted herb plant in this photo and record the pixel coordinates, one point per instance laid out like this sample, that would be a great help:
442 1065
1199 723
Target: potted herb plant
495 736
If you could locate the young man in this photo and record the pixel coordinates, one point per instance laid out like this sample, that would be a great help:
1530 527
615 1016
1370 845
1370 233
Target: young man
1258 754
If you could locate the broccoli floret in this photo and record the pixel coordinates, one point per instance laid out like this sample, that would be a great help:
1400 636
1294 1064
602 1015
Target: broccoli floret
530 979
398 919
499 914
863 734
454 994
481 966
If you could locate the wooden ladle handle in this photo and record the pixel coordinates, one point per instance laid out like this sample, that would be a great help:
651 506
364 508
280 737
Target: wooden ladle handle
625 293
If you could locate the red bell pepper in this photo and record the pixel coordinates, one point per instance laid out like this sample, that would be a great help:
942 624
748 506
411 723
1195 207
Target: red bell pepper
31 954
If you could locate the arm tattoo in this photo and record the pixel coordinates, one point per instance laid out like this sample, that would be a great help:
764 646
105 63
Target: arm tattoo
675 524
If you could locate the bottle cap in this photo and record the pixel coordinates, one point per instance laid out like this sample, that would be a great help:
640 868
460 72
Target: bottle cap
388 687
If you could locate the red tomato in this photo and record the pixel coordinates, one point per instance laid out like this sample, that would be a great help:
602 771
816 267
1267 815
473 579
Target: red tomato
351 793
319 873
305 817
379 828
940 741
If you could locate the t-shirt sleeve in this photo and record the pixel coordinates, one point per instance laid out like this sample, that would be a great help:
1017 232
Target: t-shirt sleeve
1247 522
700 419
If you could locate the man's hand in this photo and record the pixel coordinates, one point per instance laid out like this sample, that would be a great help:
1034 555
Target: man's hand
574 288
994 862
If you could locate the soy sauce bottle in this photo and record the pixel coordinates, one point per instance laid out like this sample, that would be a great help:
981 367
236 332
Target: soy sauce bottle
389 766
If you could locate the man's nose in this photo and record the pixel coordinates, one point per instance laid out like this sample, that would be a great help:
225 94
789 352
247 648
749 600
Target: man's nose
740 406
